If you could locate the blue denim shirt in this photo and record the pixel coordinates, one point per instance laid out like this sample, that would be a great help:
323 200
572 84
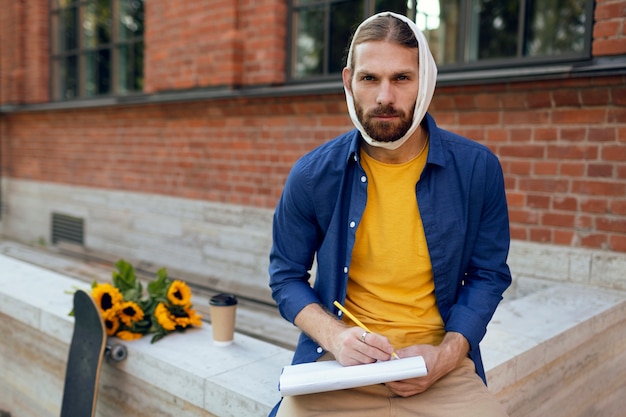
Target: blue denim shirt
463 207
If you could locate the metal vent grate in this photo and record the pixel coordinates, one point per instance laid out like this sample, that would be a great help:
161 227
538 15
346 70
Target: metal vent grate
67 228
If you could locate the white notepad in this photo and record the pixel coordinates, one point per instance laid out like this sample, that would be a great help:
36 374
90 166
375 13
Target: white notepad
308 378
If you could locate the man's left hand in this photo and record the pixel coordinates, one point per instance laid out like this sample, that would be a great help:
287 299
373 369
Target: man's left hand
440 360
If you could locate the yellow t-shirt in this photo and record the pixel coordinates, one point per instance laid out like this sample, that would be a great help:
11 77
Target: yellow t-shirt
390 285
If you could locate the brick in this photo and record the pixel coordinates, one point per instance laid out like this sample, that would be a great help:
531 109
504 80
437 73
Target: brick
558 219
545 134
606 29
566 98
441 102
595 240
523 216
565 203
497 135
580 116
595 96
602 134
547 185
609 10
573 134
600 170
522 151
572 152
617 243
611 224
513 101
519 233
563 237
539 99
479 118
525 117
488 102
614 153
599 188
572 169
541 235
519 167
595 205
464 102
538 201
618 94
545 168
607 47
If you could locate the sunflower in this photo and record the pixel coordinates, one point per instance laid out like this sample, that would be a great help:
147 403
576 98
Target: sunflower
107 297
179 293
188 318
165 319
129 312
111 324
126 335
177 317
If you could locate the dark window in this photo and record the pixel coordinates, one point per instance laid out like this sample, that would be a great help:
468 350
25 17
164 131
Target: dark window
462 34
97 47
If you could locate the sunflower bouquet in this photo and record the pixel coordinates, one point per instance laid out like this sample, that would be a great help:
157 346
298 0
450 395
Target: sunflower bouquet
129 314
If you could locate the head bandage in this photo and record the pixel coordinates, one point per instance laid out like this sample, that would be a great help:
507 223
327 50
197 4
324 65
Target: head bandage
427 74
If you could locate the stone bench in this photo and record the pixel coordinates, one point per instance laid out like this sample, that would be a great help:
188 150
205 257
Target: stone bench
544 347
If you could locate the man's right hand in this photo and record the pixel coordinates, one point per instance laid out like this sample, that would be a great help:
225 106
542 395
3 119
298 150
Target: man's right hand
344 342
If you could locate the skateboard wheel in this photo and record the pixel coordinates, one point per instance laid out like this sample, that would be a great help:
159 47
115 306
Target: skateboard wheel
117 353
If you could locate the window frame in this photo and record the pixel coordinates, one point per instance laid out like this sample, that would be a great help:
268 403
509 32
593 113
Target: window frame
114 47
292 11
463 66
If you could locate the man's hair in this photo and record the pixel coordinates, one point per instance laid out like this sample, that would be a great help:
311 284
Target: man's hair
384 28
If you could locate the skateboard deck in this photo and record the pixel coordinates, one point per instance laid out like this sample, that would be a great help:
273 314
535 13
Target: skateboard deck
87 350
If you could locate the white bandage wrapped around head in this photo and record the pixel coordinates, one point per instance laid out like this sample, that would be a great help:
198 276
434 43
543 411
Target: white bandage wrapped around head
427 73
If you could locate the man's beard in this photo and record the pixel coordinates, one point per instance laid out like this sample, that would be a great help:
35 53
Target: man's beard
384 131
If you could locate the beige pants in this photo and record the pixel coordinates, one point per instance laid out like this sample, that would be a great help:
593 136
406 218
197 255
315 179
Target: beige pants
459 394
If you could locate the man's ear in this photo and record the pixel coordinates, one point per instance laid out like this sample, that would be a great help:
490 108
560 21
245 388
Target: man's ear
347 78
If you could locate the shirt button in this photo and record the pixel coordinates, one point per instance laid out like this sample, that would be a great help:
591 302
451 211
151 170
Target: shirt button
340 313
352 224
345 269
363 178
319 349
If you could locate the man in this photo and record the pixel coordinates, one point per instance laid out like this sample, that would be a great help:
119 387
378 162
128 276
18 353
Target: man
409 227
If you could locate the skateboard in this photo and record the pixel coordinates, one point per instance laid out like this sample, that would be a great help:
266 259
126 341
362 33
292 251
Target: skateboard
88 349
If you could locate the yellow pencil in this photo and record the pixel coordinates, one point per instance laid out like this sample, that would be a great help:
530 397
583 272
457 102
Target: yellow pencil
358 323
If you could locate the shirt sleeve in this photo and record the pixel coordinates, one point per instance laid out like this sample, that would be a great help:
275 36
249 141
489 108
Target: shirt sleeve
295 235
487 274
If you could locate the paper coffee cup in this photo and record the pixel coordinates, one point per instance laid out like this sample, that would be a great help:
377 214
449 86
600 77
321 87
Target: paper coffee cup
223 308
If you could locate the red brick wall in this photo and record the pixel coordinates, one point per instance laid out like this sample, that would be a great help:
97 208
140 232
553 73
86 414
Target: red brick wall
214 43
609 30
236 151
24 51
562 145
563 149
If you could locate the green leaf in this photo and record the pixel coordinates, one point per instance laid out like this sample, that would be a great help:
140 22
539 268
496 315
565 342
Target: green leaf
157 288
158 336
124 278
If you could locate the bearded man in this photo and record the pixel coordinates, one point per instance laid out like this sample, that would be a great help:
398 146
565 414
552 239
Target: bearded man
409 227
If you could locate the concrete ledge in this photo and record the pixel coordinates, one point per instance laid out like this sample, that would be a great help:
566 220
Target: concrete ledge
547 342
240 380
